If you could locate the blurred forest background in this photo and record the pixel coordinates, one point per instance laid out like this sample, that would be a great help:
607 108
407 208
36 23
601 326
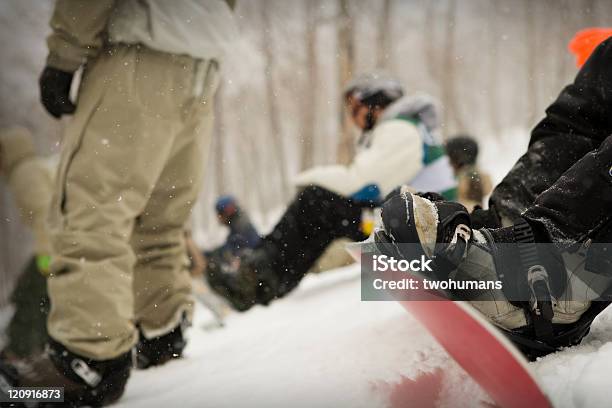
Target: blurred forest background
494 65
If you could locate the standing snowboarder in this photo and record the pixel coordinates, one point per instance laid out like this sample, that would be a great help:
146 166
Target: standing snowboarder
558 196
129 174
398 145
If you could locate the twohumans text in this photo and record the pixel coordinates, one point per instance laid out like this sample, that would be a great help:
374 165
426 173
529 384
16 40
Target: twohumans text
384 263
450 284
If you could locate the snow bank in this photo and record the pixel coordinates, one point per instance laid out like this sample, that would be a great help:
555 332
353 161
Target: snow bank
579 377
323 347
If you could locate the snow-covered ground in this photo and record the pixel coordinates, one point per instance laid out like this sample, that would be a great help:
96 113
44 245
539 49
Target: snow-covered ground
323 347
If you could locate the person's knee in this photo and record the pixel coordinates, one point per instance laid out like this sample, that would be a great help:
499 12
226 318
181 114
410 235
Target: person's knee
158 244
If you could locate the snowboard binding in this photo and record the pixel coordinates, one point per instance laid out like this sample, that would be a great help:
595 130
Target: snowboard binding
533 277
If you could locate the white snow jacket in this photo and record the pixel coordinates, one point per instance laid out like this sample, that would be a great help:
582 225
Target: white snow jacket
393 153
437 173
202 29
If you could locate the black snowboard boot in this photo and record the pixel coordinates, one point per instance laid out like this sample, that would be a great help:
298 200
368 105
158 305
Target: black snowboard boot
85 382
246 280
160 350
223 278
440 229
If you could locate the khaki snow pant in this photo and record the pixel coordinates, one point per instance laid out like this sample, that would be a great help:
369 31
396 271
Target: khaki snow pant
130 170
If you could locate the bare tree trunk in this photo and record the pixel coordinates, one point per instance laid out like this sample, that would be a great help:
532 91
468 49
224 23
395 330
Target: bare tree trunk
566 19
272 99
429 24
310 89
590 17
253 170
449 96
493 91
346 59
531 63
218 151
384 27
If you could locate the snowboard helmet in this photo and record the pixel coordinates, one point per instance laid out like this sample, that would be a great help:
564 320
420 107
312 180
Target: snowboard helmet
462 150
374 89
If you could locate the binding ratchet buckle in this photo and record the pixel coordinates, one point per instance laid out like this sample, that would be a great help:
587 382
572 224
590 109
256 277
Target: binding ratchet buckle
540 304
448 256
456 250
541 301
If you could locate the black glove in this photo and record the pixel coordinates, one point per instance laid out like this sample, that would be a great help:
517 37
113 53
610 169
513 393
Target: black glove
55 91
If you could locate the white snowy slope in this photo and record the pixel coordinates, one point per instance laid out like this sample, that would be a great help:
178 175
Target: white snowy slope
581 376
322 347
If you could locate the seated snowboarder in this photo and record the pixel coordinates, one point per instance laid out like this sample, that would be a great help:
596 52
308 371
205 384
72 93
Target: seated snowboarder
242 237
473 185
547 234
242 234
398 145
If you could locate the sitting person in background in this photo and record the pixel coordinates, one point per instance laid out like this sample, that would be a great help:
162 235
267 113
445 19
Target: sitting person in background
473 185
397 145
242 238
242 234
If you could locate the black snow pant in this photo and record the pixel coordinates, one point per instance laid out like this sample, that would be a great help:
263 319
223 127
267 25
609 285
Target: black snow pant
566 198
314 219
536 171
578 205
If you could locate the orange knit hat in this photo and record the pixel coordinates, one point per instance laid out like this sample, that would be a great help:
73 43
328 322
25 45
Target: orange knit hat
585 41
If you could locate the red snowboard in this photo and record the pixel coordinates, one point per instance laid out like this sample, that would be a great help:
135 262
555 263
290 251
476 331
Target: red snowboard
477 346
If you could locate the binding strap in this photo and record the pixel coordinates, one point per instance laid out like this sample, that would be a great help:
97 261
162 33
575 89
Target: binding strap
540 305
448 256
